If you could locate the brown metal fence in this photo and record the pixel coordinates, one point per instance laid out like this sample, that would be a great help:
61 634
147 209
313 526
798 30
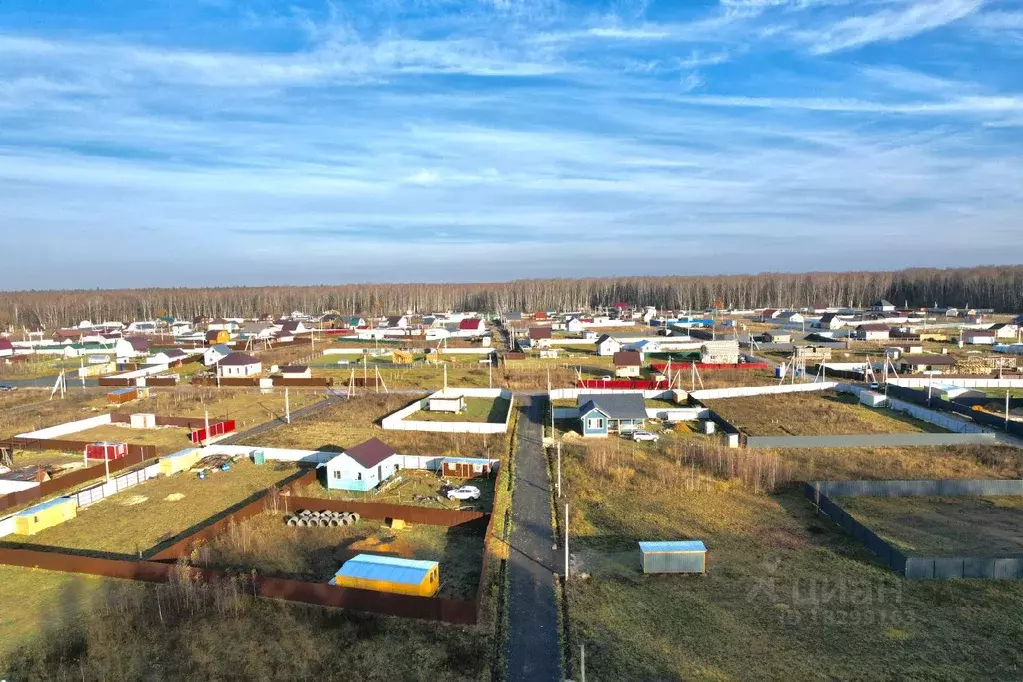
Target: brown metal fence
137 454
314 382
321 594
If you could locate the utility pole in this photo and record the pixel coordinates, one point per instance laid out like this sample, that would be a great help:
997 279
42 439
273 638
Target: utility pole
206 434
566 542
582 663
1007 410
287 406
559 445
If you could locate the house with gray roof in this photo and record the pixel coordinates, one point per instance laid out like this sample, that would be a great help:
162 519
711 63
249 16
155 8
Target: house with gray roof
600 415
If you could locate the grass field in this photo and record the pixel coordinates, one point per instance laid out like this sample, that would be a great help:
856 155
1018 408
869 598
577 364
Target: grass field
267 545
788 595
351 422
140 518
477 410
943 526
813 413
167 439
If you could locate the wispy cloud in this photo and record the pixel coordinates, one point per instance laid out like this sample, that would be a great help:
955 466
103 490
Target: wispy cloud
888 25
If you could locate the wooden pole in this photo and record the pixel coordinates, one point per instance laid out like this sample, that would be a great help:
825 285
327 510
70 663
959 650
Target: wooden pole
566 542
559 456
287 406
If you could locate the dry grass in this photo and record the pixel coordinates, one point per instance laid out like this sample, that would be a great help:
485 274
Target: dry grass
812 413
139 518
943 526
954 461
788 595
270 547
353 421
167 439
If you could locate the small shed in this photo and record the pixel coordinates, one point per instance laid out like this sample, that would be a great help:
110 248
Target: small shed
296 372
676 556
215 336
465 467
447 403
45 515
389 574
872 399
142 420
122 395
106 450
180 461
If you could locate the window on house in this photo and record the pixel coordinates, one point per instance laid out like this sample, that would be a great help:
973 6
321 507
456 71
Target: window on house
358 476
477 468
595 423
337 474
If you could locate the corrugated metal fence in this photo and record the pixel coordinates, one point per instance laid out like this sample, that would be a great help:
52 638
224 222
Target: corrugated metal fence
918 567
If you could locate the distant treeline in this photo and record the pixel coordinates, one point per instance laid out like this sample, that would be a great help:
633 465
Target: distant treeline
998 287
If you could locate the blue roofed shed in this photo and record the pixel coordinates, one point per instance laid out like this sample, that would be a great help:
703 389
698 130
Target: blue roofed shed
674 556
389 574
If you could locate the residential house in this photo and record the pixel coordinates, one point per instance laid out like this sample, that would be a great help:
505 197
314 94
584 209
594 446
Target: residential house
256 330
724 352
181 327
872 332
777 336
607 346
239 364
979 337
6 348
1005 330
143 327
791 316
167 357
296 372
769 314
882 306
916 364
472 326
628 363
293 328
541 336
513 317
131 347
355 322
221 323
600 415
828 321
574 325
397 321
215 354
215 336
363 467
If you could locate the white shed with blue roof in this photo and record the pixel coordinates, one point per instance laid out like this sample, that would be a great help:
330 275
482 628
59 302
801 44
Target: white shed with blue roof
674 556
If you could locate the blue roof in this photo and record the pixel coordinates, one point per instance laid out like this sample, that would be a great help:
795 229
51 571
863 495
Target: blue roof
673 546
43 505
122 391
390 569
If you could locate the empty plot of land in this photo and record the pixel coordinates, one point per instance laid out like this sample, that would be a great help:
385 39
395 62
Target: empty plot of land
943 526
143 516
477 410
167 439
815 413
266 544
351 422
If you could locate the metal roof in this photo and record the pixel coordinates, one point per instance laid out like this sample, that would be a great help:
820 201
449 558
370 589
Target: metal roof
43 505
467 460
389 569
370 453
616 405
672 546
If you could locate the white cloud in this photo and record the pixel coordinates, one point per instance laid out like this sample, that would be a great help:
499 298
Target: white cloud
690 81
918 16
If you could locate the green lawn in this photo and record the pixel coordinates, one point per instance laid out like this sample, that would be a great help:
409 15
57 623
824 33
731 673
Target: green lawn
477 410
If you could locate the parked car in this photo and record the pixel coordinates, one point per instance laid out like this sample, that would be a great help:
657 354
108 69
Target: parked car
7 387
466 492
641 435
606 377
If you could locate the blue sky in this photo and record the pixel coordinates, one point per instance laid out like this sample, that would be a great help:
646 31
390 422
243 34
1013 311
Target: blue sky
219 142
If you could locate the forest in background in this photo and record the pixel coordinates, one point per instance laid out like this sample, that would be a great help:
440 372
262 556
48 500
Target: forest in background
998 287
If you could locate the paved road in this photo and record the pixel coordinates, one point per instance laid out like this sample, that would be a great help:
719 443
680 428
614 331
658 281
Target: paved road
306 411
533 648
